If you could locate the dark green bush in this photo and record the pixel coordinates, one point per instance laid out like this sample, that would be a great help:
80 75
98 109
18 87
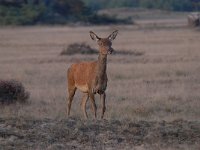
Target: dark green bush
12 91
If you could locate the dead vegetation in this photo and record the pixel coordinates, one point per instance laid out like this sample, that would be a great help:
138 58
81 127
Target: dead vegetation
72 133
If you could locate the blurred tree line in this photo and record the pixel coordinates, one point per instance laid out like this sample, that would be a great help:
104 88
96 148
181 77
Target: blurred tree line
172 5
29 12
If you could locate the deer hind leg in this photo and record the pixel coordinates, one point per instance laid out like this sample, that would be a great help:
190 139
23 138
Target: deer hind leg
94 107
71 93
102 98
83 104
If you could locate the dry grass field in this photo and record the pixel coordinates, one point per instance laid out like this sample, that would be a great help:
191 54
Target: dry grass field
161 84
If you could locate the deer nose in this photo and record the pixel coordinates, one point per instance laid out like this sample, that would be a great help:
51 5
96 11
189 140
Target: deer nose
110 51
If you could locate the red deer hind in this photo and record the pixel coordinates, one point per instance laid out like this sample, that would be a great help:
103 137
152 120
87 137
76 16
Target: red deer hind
91 77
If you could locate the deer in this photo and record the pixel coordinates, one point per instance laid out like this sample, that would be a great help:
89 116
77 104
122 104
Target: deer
91 77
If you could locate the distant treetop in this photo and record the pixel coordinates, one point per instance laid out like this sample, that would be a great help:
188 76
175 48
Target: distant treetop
173 5
31 12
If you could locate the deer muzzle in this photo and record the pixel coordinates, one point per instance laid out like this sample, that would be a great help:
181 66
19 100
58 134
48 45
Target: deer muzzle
110 50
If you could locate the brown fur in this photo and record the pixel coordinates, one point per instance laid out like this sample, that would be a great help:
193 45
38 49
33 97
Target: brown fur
91 77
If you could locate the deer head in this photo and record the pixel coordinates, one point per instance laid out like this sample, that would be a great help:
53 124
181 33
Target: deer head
105 44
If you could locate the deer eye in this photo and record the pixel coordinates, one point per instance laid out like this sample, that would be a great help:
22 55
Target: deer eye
101 43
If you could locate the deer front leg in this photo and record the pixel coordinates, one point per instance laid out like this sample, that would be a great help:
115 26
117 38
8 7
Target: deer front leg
71 93
96 89
94 107
83 104
96 86
102 98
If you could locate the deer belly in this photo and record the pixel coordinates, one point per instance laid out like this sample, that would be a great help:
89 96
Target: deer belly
83 88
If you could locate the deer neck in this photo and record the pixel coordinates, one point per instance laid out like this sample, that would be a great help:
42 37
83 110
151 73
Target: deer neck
101 66
101 78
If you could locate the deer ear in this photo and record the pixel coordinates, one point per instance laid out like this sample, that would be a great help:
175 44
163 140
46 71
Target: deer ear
113 35
94 36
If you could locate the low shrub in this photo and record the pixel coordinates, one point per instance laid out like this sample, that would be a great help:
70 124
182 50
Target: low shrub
83 48
130 52
78 48
12 91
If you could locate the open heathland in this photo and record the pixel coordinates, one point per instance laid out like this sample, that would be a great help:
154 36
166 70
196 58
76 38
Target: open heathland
161 83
